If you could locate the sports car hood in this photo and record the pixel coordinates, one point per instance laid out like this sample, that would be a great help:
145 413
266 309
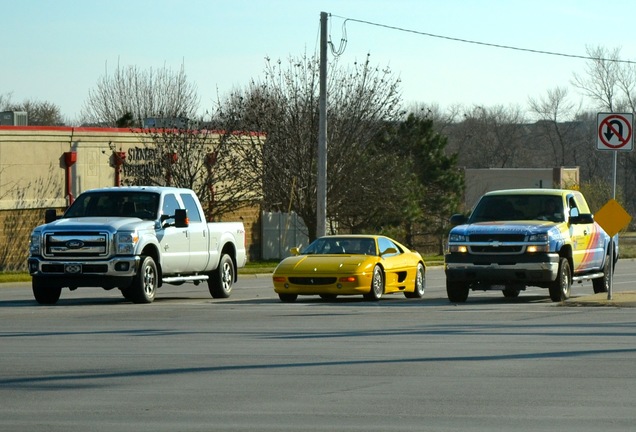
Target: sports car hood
321 263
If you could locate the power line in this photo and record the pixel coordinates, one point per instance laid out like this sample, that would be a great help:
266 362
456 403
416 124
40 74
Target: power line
535 51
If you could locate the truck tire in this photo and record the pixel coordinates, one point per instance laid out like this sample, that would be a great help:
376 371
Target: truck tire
420 283
457 292
377 285
144 285
222 279
601 285
45 294
560 288
511 291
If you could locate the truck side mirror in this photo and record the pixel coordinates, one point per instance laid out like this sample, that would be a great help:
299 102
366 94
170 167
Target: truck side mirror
181 218
50 215
458 219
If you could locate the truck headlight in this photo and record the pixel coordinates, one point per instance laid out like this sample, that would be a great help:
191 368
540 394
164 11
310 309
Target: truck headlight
125 243
538 238
544 246
35 245
453 238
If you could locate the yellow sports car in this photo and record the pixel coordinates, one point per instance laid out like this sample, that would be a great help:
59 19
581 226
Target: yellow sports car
335 265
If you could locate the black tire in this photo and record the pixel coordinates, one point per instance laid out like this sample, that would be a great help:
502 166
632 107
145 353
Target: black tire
222 279
45 294
420 283
377 285
511 291
560 288
457 292
125 292
144 285
601 285
287 298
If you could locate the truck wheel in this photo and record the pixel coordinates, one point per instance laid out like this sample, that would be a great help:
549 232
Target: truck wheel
601 285
420 283
125 292
144 284
44 293
222 279
287 298
377 285
457 292
560 288
511 291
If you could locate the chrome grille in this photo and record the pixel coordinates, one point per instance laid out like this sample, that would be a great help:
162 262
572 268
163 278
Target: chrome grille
76 245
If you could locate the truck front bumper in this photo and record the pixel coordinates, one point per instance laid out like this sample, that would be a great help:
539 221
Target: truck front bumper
115 272
523 269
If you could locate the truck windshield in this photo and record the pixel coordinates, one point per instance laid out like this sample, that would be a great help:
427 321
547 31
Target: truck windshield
143 205
518 207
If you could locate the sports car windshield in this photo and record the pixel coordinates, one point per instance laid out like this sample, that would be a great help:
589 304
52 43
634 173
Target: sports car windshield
341 245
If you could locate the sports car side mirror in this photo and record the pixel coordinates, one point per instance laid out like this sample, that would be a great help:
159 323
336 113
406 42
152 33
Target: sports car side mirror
294 251
389 251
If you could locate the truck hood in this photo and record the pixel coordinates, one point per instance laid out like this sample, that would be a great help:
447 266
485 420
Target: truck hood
111 224
508 227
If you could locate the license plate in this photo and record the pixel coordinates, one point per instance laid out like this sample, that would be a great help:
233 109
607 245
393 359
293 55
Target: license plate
73 268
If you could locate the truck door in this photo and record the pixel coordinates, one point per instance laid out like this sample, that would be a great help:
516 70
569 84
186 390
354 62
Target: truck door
173 241
587 247
197 234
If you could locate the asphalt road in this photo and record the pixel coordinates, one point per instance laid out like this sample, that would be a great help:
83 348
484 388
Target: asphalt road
188 362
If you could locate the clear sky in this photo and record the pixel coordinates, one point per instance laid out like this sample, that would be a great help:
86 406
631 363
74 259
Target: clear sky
56 50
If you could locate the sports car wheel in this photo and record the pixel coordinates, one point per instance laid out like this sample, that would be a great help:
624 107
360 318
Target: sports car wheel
420 283
287 298
560 288
377 285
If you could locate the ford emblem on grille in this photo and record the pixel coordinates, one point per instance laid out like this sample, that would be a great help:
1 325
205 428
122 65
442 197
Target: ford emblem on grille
74 244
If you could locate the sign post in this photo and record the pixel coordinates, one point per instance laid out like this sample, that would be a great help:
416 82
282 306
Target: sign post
615 133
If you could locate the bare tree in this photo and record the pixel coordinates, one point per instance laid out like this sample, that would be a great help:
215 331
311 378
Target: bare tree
40 113
211 163
363 99
555 114
141 94
490 137
609 83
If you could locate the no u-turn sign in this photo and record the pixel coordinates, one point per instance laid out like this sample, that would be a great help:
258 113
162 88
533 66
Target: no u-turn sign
615 131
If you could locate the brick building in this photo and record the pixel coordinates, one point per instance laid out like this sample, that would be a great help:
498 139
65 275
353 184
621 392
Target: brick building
46 167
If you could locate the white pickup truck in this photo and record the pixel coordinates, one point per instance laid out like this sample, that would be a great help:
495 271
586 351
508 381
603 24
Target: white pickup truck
135 239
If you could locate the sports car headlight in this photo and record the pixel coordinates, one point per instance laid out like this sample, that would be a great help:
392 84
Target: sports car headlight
126 242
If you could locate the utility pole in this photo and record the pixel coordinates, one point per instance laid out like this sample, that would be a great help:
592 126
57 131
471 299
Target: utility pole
321 202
